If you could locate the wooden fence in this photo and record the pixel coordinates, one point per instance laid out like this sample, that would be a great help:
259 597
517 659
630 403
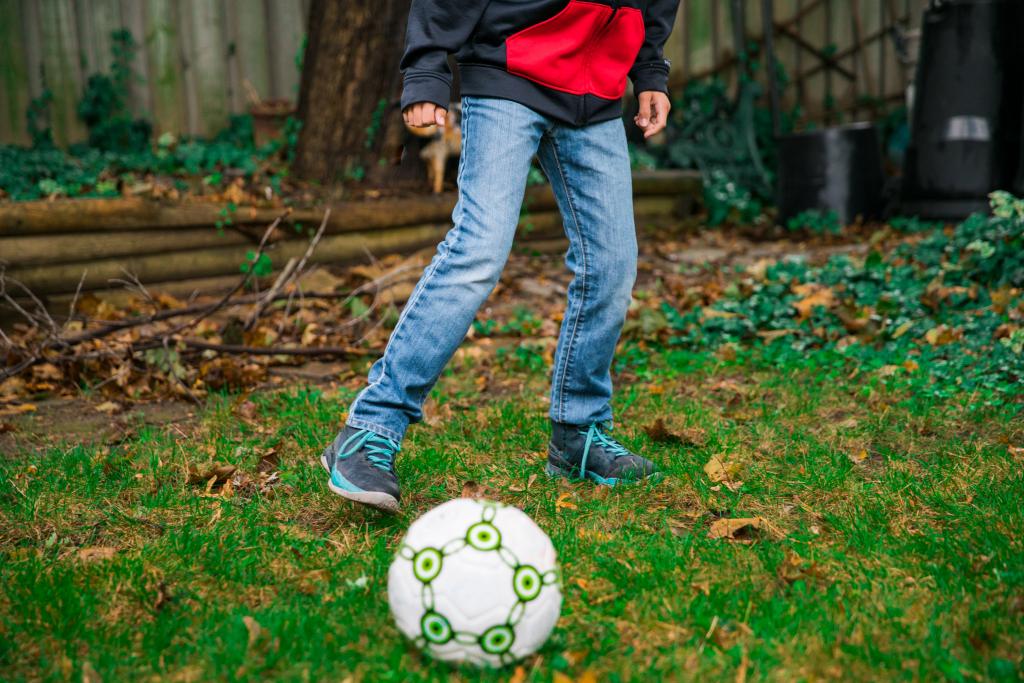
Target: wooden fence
195 58
840 55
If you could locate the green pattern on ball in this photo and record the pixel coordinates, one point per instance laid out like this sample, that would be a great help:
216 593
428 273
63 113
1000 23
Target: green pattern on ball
483 536
436 628
497 639
426 565
527 583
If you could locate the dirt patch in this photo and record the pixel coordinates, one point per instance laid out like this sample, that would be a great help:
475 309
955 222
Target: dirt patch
63 420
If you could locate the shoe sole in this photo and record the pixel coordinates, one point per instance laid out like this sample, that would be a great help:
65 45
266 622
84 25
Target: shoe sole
557 472
375 499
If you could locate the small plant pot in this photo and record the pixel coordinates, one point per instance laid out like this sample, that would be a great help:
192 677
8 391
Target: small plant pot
268 117
831 170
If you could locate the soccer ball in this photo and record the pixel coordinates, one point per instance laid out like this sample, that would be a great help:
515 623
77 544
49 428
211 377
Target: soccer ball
475 581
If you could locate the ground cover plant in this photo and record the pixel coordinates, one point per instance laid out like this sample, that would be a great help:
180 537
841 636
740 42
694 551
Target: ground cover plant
839 422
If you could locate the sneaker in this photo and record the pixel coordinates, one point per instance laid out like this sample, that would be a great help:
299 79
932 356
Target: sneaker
361 465
590 452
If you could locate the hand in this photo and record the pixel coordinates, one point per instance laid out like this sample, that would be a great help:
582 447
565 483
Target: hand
653 114
423 114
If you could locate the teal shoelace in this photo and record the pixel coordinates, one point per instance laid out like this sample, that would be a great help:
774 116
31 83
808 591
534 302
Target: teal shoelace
380 450
595 434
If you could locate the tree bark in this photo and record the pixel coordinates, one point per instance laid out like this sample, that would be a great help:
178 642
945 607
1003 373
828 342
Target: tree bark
350 85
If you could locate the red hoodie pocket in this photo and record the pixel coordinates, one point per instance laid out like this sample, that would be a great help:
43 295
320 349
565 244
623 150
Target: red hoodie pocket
585 48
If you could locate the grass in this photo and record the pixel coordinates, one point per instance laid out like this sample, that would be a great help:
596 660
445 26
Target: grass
892 551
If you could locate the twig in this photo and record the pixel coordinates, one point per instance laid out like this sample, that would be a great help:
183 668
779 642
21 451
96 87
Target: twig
74 300
280 350
290 273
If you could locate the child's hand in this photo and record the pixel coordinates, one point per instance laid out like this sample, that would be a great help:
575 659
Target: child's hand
653 114
423 114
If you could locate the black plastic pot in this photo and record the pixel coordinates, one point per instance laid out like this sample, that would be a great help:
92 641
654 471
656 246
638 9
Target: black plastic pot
833 169
966 123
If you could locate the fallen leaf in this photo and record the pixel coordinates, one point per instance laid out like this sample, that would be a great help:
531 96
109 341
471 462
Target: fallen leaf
860 456
518 676
109 407
941 335
19 409
96 553
560 677
720 470
728 528
254 629
660 432
813 295
269 461
47 372
6 427
471 489
219 473
563 502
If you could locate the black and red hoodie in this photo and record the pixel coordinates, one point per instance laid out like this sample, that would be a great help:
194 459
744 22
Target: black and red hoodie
567 59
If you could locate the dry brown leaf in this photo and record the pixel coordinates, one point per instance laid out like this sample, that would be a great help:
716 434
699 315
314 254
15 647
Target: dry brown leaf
518 676
812 295
96 553
660 432
19 409
728 528
719 469
472 489
109 407
254 629
564 502
941 335
560 677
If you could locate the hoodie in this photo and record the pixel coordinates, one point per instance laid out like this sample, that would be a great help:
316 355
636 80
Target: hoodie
567 59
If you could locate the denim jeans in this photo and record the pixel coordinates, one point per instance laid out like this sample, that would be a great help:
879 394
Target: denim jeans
590 175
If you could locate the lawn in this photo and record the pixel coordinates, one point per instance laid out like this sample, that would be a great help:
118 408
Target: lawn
888 543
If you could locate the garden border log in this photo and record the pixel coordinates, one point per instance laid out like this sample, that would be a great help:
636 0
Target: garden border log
169 255
78 216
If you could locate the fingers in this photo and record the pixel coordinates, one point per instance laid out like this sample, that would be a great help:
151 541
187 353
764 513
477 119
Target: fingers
653 114
423 114
643 116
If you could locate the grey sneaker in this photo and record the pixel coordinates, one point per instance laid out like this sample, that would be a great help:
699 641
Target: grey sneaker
361 465
590 452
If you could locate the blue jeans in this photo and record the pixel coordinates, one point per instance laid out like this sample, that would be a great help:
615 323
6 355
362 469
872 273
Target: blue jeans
590 175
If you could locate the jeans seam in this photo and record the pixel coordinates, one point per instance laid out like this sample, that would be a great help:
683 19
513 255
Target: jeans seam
374 427
427 276
585 272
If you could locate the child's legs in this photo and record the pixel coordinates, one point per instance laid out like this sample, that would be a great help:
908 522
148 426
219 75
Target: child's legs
500 138
590 175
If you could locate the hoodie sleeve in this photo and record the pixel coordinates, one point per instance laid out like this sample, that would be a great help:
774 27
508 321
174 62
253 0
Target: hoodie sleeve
436 28
650 70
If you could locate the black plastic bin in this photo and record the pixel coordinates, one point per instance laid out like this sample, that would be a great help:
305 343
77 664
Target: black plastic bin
966 123
834 169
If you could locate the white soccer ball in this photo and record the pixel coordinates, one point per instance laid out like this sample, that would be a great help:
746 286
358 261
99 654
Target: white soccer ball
476 581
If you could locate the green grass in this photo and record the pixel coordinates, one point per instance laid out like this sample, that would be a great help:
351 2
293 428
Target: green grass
893 551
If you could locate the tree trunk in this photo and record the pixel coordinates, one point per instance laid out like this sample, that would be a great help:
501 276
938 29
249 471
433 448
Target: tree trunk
350 85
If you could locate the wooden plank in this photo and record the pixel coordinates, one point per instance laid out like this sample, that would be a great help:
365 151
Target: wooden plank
101 215
33 46
208 64
14 84
61 73
133 17
286 31
160 44
225 258
70 248
248 26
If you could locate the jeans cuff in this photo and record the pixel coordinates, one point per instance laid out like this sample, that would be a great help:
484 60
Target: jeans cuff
375 428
